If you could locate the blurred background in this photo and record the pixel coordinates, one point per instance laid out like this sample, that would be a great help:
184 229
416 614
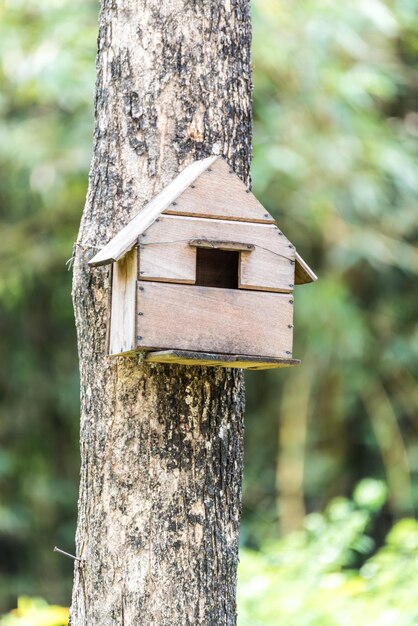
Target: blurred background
331 468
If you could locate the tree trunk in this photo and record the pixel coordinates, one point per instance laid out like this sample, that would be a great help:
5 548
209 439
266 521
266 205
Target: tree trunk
161 446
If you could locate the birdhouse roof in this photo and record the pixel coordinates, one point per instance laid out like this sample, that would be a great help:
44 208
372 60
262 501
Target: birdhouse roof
205 188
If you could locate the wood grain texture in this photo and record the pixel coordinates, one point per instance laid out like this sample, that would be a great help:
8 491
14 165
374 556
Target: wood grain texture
218 193
210 359
123 307
206 319
165 253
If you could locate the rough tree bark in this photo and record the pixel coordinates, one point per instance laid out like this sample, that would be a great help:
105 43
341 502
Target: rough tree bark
161 446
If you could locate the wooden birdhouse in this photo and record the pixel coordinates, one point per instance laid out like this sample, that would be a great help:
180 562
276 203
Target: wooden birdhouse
203 276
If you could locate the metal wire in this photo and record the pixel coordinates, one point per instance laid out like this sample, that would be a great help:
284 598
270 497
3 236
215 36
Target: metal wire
160 243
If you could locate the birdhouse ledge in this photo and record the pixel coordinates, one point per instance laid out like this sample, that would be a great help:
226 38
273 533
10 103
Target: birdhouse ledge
240 361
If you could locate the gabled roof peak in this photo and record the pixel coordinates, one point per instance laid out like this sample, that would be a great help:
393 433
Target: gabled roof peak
207 188
219 193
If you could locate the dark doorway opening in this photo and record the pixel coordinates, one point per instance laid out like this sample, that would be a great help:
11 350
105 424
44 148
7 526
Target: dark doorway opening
217 268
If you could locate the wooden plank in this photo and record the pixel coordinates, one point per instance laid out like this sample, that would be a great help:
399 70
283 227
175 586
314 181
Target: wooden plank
210 359
214 244
303 273
219 193
122 336
173 262
165 253
126 238
205 319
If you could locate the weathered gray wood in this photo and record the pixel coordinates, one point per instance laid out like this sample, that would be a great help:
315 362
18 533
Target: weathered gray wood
166 255
218 193
222 245
211 359
160 487
267 270
206 319
174 262
123 308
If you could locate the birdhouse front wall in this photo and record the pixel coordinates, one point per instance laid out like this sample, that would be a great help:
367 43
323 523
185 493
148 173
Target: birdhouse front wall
167 295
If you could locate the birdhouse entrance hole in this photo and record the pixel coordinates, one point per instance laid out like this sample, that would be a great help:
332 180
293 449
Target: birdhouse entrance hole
217 268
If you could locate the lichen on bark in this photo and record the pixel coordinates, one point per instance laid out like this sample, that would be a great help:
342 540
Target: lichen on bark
161 446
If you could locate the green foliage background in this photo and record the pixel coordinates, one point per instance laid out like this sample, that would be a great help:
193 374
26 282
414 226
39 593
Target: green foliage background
336 161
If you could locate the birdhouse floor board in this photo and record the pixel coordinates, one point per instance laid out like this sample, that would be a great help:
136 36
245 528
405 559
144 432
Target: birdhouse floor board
213 359
207 319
